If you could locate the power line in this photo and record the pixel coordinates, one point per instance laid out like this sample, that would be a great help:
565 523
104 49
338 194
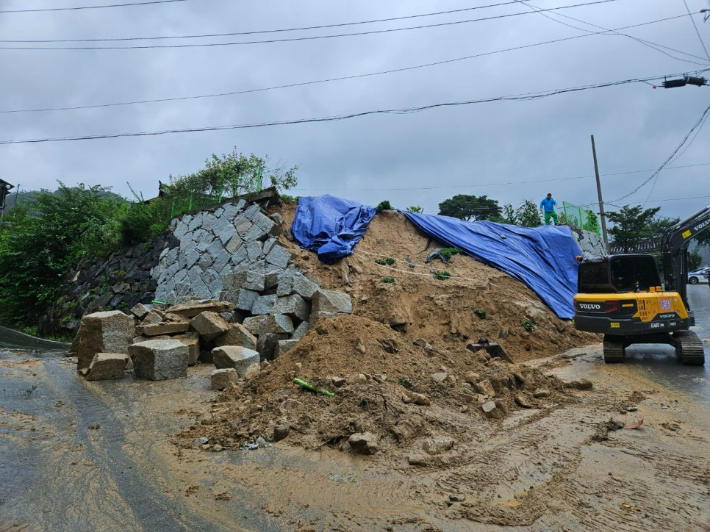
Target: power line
297 39
79 8
256 32
650 44
668 160
406 110
697 31
496 183
329 80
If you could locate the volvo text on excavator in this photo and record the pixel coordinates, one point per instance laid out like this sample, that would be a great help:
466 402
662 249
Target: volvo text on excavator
621 296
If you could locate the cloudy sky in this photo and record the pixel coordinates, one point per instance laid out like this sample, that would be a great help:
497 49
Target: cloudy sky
508 150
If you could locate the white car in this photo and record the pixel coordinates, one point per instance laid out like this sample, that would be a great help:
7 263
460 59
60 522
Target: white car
699 275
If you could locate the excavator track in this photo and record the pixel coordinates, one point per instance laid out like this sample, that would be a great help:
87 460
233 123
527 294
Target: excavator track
689 348
613 349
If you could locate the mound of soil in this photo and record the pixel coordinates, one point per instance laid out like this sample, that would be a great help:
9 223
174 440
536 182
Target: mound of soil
403 394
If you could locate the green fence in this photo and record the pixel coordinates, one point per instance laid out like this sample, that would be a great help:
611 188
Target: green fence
577 216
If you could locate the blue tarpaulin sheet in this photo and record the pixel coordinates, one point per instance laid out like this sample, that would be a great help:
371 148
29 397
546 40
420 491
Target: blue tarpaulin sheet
330 226
544 258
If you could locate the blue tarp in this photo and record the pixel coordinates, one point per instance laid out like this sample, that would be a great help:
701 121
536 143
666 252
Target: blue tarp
330 226
544 258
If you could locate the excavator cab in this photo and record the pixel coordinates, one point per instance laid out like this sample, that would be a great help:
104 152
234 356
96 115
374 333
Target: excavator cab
622 297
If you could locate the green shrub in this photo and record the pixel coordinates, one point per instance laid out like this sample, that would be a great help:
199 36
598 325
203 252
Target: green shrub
480 313
442 276
415 208
447 253
388 280
384 206
528 325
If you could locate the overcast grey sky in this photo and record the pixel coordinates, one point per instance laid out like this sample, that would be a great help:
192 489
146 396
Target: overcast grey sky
412 159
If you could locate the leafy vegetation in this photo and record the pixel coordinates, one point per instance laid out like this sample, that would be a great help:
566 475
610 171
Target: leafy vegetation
468 207
526 215
528 325
480 313
633 223
385 262
384 206
47 232
415 208
441 276
388 280
447 253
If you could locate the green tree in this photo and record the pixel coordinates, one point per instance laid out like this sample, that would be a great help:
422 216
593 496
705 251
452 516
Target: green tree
467 207
631 224
415 208
44 237
526 215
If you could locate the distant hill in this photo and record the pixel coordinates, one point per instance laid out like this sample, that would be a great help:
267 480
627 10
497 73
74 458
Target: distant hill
26 197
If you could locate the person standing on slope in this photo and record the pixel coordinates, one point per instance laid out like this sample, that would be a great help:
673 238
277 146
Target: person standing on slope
548 205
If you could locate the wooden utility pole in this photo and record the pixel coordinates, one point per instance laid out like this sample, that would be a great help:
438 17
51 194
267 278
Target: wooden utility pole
601 201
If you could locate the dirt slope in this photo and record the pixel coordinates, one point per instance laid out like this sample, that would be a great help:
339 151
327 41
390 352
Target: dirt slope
441 312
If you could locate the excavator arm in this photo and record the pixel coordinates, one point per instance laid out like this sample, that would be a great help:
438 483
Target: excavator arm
673 250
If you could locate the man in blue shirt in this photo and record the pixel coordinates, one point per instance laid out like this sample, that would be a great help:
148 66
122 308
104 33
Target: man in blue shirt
548 205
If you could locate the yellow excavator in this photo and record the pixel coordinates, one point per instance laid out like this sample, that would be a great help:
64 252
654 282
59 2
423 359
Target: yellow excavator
622 297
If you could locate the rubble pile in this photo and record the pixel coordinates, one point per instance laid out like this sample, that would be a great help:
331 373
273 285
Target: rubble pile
389 394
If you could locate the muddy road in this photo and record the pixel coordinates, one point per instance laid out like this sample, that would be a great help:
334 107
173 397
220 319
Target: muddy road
78 455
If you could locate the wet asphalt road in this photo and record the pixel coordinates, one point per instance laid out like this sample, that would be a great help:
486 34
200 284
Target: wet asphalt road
658 362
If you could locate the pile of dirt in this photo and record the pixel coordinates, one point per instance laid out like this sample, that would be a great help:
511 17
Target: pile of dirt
476 302
398 366
403 394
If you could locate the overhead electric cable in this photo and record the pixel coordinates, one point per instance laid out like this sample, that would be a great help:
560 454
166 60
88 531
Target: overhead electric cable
405 110
79 8
327 80
650 44
697 124
256 32
697 31
296 39
492 184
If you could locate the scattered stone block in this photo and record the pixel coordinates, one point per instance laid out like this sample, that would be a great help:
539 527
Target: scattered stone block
437 445
239 335
192 341
283 347
294 306
281 432
103 332
484 387
419 460
252 371
522 401
294 282
264 304
232 356
160 329
254 324
491 410
209 325
364 443
277 324
332 301
301 331
159 359
245 299
190 310
222 378
266 344
541 393
107 366
140 311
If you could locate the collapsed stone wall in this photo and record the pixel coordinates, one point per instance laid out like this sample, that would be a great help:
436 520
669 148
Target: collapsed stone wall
590 243
212 245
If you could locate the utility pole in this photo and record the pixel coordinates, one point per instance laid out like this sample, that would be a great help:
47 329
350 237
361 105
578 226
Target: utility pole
601 201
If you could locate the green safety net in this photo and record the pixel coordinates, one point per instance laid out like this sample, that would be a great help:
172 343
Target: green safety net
577 216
